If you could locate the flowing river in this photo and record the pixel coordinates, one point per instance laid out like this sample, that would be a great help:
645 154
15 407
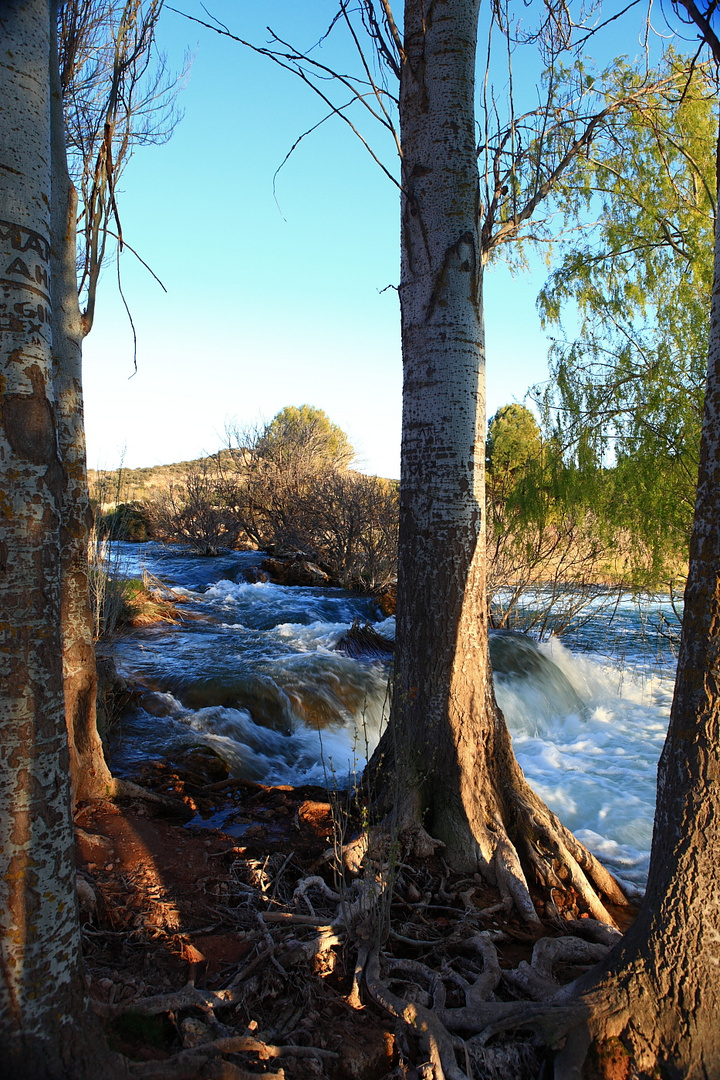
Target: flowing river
254 674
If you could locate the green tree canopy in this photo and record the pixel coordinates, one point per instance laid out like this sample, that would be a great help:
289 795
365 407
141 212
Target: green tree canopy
513 439
304 437
628 386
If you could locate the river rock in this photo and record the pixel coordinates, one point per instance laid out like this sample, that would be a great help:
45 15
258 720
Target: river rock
240 689
295 572
387 599
204 764
157 704
254 575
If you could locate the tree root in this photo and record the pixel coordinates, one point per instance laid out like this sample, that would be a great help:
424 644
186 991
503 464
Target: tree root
188 997
558 859
435 1039
555 1017
313 882
536 979
188 1062
510 878
116 788
521 844
498 827
447 988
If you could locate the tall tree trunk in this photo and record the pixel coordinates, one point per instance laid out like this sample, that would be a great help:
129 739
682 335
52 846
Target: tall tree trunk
91 777
455 772
45 1030
442 675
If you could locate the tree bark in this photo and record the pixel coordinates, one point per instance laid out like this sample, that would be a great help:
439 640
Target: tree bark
455 775
45 1028
91 777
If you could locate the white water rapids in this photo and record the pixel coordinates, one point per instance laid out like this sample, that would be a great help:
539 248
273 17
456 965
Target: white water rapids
256 677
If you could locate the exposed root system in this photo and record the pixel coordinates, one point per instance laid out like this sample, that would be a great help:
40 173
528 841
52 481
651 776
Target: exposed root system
274 954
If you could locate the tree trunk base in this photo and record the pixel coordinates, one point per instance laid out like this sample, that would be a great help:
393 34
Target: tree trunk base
502 830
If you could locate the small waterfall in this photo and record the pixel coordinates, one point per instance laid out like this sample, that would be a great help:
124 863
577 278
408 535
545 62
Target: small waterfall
530 687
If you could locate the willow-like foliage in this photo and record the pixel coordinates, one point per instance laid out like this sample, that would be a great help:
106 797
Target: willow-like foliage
631 304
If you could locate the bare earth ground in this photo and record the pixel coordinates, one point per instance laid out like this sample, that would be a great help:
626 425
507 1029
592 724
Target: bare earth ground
245 945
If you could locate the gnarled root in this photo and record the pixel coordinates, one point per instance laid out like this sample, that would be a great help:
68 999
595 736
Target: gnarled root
435 1039
458 1005
428 1019
555 859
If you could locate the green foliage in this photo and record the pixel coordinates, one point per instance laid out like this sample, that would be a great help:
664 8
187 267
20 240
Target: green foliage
304 437
628 389
513 439
555 553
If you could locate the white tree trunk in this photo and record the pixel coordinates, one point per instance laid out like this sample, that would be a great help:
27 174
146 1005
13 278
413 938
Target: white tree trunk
455 773
442 690
42 996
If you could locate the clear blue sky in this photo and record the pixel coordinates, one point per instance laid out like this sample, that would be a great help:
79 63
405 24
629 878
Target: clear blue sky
266 305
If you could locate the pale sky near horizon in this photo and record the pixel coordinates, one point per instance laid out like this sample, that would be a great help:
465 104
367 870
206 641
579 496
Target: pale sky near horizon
268 304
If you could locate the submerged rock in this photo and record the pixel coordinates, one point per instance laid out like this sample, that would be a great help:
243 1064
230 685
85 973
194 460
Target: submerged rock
242 689
512 653
204 764
516 658
254 575
295 571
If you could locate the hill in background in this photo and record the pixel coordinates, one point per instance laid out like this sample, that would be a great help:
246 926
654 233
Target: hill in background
112 486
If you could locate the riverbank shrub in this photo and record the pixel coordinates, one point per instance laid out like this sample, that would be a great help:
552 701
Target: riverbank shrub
296 493
127 521
200 510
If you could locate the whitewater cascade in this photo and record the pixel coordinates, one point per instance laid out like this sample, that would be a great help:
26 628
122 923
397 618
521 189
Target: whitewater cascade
256 676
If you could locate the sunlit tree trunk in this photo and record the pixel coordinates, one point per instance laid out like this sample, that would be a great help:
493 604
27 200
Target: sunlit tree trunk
44 1028
443 697
455 776
90 775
